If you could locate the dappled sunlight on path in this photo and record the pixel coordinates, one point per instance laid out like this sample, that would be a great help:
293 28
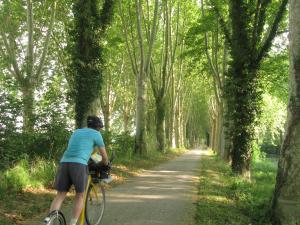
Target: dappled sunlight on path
163 195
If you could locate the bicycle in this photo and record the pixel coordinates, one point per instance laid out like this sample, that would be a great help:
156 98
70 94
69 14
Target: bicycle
94 197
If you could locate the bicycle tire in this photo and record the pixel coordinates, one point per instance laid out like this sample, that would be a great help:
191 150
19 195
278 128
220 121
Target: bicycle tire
55 218
94 205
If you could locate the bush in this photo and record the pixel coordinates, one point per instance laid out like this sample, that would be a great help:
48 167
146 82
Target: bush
123 143
257 153
40 173
43 171
16 178
270 148
48 144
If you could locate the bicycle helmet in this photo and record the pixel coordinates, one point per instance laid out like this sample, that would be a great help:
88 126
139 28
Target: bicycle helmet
94 122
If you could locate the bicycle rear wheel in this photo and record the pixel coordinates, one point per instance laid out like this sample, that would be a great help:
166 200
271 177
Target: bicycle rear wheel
55 218
94 205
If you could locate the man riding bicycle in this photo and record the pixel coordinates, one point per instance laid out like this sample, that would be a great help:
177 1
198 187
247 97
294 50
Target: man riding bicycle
73 167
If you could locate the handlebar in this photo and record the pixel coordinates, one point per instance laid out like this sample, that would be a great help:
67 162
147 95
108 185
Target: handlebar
99 172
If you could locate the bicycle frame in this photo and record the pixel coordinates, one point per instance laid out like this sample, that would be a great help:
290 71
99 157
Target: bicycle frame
82 215
90 182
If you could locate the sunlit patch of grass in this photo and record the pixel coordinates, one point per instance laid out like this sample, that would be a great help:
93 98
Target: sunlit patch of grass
227 200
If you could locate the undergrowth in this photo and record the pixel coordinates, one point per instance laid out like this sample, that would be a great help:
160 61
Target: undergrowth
224 199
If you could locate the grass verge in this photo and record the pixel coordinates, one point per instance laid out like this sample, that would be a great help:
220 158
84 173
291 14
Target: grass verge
25 192
227 200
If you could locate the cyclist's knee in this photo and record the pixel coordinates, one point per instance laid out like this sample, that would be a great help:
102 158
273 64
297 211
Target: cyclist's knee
79 195
61 193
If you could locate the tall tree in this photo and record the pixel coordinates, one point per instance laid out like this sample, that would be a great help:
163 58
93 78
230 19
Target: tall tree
217 61
286 200
140 67
160 75
26 66
248 44
91 22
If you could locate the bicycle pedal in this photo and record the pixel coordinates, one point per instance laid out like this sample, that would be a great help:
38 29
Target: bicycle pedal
46 221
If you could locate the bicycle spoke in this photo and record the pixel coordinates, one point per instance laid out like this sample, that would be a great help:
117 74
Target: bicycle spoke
55 218
95 204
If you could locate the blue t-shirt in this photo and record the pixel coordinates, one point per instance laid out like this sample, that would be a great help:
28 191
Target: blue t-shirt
81 145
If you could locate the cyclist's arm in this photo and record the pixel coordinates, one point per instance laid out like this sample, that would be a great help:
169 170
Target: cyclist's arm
103 153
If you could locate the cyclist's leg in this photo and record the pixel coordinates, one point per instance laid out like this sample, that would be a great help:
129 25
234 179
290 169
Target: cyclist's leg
57 201
78 205
79 176
62 185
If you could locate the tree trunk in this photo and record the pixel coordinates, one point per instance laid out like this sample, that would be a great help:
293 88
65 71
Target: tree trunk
213 135
105 105
286 200
177 126
145 58
219 130
140 143
126 118
160 119
28 108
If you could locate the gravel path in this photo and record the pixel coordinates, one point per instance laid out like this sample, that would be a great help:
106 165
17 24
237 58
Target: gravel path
164 195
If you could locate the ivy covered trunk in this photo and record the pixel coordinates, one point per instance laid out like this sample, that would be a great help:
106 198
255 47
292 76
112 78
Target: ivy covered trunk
241 91
244 107
160 119
286 200
249 44
91 22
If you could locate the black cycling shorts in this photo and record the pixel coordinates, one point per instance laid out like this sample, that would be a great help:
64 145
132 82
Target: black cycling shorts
71 173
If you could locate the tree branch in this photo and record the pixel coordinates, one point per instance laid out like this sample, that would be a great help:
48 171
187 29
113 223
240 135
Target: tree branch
29 57
130 54
44 53
106 14
272 32
152 37
12 57
223 25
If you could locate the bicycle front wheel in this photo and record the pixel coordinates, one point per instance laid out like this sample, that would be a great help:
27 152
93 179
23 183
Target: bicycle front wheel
94 204
55 218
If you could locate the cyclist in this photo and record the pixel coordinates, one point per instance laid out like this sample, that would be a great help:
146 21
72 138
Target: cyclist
73 167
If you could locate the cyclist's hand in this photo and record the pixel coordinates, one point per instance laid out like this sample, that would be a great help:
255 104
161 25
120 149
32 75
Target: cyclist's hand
106 167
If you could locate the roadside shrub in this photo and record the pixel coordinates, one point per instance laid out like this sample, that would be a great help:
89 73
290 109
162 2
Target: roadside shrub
43 171
123 143
257 153
270 148
48 144
40 173
16 178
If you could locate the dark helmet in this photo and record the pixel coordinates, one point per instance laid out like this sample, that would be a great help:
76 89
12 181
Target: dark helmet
94 122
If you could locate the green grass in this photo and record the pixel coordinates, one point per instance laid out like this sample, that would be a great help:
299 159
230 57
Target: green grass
227 200
22 190
38 173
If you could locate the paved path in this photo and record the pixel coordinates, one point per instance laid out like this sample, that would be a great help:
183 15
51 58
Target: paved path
164 195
